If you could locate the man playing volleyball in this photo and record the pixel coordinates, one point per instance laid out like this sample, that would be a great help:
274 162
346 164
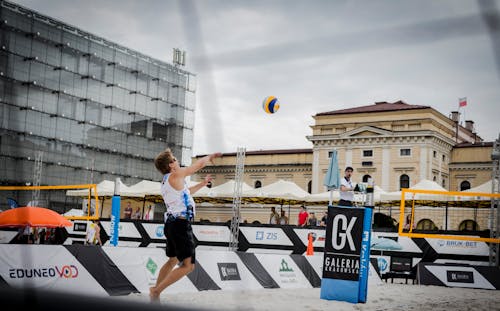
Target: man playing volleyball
180 211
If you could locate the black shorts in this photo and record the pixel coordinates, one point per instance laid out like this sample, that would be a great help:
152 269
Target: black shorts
180 240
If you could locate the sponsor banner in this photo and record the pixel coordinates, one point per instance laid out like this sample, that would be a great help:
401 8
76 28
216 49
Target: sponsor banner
141 267
454 276
268 251
47 267
211 233
216 265
79 227
458 247
457 261
384 263
125 230
228 271
343 244
124 243
211 248
7 236
154 231
318 235
284 271
407 244
266 235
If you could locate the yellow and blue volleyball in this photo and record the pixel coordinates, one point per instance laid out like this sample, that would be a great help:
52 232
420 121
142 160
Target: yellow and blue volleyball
270 104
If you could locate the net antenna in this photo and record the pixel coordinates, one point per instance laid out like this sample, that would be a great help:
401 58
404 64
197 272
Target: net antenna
238 182
494 218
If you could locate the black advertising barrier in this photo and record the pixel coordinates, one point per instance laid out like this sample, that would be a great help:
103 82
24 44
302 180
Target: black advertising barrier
347 254
458 275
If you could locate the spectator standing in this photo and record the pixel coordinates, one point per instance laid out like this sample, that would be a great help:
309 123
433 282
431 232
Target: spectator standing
303 216
283 218
127 214
137 214
274 217
312 220
324 219
346 188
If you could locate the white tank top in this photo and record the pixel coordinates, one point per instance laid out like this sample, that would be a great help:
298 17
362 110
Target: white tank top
176 201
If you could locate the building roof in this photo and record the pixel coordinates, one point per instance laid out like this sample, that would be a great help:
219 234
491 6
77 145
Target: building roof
377 107
471 145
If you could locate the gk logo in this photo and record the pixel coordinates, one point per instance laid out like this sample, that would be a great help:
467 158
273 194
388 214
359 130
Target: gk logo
339 238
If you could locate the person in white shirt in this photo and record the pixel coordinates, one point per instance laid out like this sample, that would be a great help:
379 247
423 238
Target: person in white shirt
180 212
346 188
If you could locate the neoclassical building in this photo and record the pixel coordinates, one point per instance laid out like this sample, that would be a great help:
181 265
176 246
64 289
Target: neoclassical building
396 144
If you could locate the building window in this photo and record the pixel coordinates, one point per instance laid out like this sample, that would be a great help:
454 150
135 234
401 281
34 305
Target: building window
444 158
443 183
464 185
468 225
426 224
309 186
367 163
365 178
434 178
257 184
367 153
404 181
406 152
330 153
434 153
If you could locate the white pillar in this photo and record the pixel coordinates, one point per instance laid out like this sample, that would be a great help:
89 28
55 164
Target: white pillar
423 162
386 167
316 182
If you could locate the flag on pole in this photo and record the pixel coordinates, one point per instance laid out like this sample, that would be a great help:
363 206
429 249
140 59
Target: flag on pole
462 102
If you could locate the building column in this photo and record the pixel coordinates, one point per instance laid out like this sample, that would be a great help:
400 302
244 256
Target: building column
348 159
423 162
315 171
386 166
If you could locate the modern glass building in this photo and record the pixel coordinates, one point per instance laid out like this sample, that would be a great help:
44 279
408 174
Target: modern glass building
97 110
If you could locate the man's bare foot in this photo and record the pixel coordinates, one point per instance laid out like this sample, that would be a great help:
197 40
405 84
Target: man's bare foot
154 295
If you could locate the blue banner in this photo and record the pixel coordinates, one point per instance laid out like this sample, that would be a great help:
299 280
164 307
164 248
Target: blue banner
115 220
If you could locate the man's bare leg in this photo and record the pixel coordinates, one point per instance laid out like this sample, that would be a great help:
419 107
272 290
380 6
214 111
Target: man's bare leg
164 271
171 278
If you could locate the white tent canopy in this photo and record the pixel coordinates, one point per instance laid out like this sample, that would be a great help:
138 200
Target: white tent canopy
105 188
145 187
225 190
280 189
358 197
484 188
424 184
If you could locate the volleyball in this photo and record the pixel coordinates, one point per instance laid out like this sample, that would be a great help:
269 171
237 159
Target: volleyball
270 104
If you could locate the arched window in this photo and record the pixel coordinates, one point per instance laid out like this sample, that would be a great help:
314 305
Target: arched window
365 178
426 224
468 225
309 186
464 185
404 181
258 184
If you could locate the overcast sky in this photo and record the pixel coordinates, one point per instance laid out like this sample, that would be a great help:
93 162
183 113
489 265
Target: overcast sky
315 56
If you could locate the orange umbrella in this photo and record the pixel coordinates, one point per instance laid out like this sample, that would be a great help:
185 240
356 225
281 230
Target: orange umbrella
32 216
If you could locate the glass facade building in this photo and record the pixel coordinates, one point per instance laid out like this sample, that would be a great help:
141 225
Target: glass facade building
97 110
